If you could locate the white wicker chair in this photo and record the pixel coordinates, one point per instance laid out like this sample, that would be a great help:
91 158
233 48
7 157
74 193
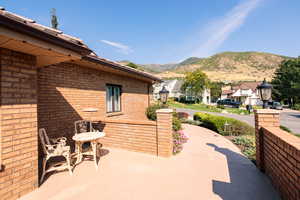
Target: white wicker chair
54 148
82 126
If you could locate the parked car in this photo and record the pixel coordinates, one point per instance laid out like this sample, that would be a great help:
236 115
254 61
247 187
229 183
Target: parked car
229 102
275 105
189 99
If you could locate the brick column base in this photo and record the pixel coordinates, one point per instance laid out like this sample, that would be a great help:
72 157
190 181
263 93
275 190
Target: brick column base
164 132
265 118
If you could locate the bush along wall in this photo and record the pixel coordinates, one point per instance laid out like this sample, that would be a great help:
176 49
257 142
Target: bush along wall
179 136
217 124
240 133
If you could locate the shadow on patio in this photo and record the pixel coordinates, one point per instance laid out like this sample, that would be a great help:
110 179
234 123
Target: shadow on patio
246 182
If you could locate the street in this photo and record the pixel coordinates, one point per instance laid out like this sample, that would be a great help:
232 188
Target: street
288 118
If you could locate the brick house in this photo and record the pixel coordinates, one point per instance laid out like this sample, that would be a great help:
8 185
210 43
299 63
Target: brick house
50 79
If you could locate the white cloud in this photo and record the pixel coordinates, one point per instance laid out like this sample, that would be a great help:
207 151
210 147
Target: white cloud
121 47
219 31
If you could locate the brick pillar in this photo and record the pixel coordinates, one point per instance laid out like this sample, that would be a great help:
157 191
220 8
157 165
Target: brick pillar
164 132
265 118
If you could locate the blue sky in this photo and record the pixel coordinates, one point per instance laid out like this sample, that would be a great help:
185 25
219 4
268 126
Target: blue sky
167 31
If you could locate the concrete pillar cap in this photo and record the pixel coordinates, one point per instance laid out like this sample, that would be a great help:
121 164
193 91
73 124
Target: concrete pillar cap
165 110
266 111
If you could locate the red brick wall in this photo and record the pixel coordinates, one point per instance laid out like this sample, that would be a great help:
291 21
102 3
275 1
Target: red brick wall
18 123
141 136
54 97
65 90
278 154
282 161
134 135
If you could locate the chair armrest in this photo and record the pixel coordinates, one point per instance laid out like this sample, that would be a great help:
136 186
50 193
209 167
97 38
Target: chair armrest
60 140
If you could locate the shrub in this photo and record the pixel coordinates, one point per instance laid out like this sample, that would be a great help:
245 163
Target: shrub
296 107
217 124
192 122
176 124
285 129
247 145
179 138
182 115
151 111
221 106
151 115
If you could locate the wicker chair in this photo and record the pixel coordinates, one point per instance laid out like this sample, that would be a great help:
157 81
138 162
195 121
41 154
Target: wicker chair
54 148
82 126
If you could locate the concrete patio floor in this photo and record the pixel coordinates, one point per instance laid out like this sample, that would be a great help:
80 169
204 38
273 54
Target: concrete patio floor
210 167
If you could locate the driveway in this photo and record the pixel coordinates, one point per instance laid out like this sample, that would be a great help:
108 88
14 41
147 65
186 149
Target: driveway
210 167
288 118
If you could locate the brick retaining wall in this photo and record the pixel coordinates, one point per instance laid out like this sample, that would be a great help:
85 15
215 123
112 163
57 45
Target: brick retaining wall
278 154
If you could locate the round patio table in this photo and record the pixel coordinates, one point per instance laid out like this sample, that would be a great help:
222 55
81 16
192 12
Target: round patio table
91 137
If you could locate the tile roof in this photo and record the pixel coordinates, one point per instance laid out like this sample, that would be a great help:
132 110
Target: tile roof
226 92
30 27
246 86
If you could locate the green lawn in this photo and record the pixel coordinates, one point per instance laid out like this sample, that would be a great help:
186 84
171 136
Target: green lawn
208 108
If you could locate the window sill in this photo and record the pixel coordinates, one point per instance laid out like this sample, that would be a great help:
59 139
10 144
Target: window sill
114 114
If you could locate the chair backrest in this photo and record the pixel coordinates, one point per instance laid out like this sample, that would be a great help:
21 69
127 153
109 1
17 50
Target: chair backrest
82 126
44 139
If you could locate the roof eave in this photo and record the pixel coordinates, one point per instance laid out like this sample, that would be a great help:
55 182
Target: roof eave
24 29
120 67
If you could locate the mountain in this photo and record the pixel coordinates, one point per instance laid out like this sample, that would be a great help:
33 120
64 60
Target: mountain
226 66
159 67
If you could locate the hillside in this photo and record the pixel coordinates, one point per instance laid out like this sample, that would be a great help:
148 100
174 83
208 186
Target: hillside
226 66
231 66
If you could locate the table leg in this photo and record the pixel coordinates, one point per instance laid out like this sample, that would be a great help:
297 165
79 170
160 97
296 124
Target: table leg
79 152
94 147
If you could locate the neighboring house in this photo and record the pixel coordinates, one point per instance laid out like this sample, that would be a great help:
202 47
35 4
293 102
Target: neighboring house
50 80
174 87
245 92
226 94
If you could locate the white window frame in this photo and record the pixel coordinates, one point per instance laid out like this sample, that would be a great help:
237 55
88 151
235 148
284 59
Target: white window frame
113 98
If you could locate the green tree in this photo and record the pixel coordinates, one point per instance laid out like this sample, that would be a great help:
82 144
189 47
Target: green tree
286 81
215 90
195 83
132 65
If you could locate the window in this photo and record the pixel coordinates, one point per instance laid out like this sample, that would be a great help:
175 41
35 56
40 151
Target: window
113 98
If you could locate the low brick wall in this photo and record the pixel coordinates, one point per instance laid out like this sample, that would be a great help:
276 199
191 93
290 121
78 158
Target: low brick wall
278 154
131 135
140 136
